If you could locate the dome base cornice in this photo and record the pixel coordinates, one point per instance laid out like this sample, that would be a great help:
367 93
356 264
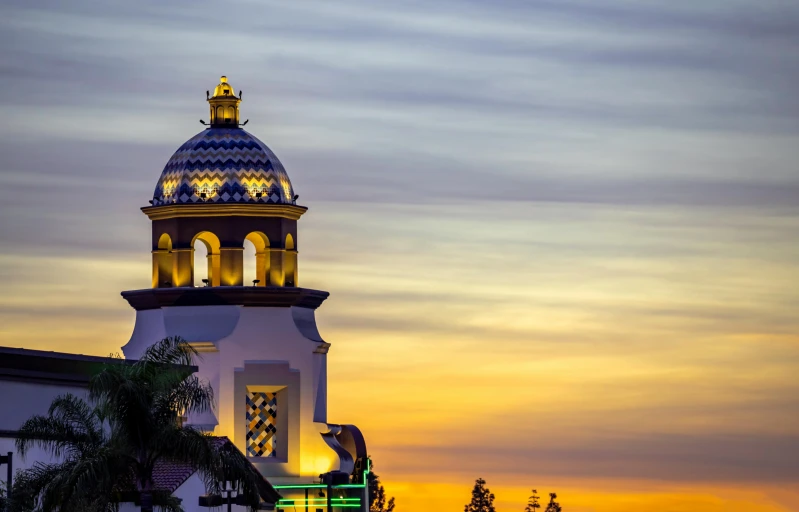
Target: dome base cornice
286 211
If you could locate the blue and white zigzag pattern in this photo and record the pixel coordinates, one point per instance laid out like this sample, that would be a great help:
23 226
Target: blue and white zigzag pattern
223 165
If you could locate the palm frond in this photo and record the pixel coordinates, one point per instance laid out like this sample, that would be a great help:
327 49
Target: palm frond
31 485
189 395
70 428
170 351
186 445
165 502
232 466
75 411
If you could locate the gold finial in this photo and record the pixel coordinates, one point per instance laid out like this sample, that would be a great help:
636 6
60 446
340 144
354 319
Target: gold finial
223 88
224 105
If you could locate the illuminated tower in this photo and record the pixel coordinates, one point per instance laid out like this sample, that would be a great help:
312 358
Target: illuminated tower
260 347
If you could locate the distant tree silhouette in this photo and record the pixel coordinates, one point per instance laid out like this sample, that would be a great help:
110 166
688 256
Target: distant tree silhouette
377 494
532 503
482 499
553 506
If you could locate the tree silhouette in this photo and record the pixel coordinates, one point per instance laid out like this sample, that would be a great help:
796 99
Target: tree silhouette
377 494
482 499
553 506
532 503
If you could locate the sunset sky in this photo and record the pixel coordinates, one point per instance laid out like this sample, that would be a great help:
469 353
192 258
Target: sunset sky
561 237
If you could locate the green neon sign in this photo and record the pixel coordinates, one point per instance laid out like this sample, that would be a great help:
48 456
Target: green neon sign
341 505
320 502
323 486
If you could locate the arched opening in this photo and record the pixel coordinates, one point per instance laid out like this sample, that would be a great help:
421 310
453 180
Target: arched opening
205 245
256 259
162 263
231 115
249 272
290 262
220 114
165 242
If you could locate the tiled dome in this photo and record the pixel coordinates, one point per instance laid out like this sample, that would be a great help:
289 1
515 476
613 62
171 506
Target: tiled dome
223 165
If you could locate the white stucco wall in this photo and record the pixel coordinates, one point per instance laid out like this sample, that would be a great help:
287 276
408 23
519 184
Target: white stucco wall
248 334
21 400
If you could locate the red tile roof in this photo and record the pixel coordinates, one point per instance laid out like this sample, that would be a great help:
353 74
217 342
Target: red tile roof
168 475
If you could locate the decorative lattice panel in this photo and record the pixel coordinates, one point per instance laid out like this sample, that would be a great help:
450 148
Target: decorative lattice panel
261 424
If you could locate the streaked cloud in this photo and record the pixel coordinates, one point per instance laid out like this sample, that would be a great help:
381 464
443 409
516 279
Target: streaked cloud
560 236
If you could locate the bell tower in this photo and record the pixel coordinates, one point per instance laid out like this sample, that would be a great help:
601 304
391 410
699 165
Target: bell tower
261 350
220 188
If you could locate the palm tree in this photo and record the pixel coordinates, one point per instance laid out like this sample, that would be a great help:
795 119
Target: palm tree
73 433
111 448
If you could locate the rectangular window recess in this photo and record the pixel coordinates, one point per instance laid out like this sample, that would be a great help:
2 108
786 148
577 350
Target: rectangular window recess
262 434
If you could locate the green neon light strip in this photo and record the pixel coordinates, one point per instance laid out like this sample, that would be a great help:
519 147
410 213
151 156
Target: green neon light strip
314 500
323 486
306 486
341 505
316 504
299 500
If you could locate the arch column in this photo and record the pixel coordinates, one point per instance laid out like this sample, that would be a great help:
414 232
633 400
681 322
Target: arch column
162 262
276 275
214 269
290 262
162 268
231 266
290 267
262 267
183 267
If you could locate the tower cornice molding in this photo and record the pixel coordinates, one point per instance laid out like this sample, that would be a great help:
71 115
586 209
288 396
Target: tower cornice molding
287 211
248 296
